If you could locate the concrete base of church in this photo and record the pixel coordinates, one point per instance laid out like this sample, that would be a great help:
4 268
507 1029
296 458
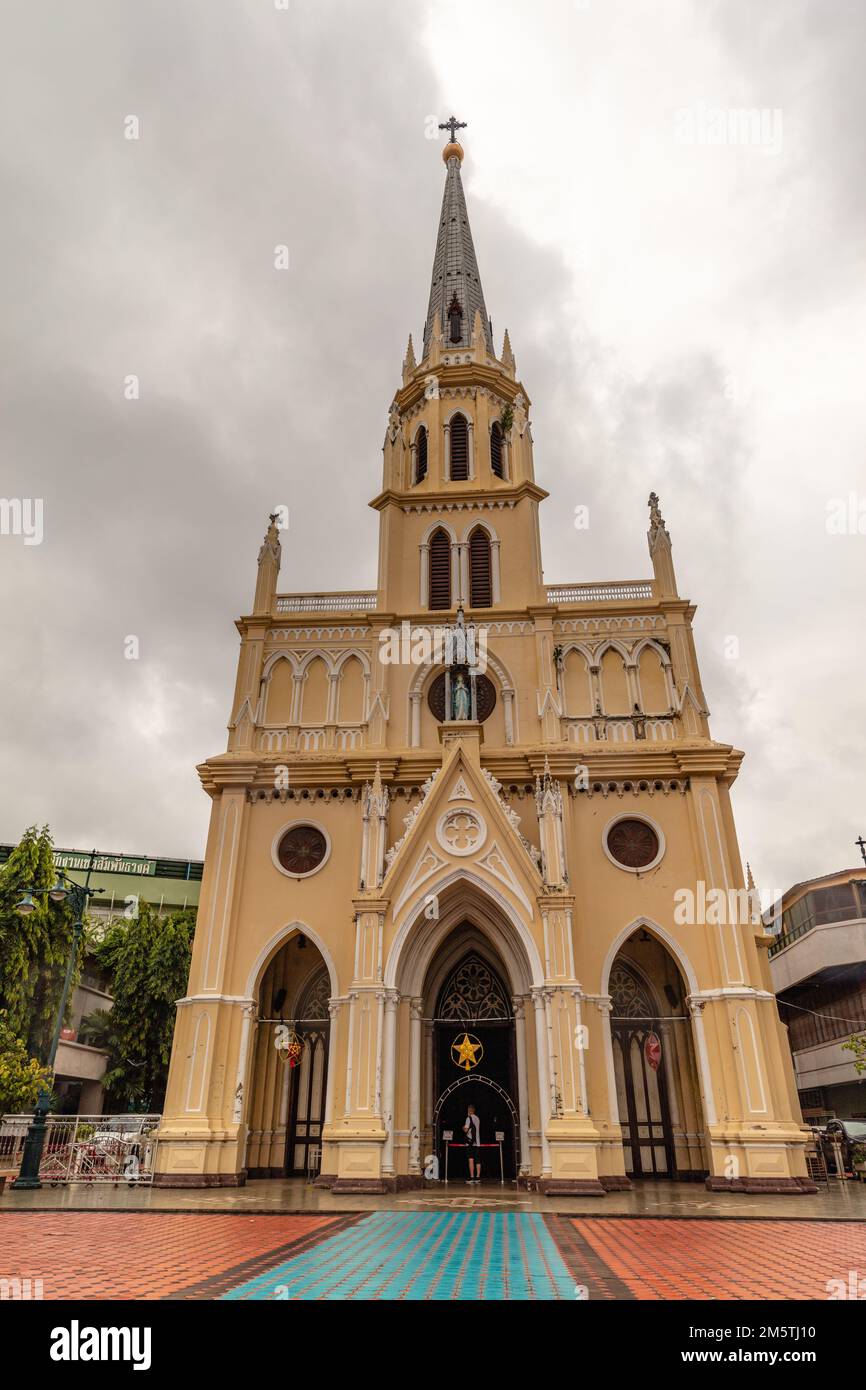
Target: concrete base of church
560 1187
359 1186
787 1187
616 1184
200 1180
198 1158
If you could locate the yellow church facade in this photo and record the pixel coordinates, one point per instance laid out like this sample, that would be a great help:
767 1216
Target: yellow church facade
462 846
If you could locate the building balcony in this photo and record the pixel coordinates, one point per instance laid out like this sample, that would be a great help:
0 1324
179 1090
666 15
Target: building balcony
825 1064
814 948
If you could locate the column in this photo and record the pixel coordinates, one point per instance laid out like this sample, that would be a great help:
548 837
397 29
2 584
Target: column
518 1003
334 1006
543 1087
508 710
415 733
428 1076
390 1000
333 683
415 1006
495 576
424 592
456 573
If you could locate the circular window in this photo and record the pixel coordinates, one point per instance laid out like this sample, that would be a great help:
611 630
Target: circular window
485 694
301 850
461 831
633 844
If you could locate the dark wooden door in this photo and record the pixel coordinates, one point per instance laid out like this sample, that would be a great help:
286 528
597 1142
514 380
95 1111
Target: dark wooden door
309 1084
643 1106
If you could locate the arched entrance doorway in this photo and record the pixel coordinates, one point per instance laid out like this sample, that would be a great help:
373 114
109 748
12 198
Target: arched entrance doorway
473 1055
657 1092
496 1161
290 1063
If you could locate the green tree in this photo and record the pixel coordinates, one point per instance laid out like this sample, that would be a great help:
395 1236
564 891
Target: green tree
857 1045
147 959
21 1076
34 950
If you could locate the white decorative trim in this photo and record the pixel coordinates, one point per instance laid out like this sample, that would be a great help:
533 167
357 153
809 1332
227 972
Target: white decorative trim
316 634
269 950
461 792
496 863
476 820
426 864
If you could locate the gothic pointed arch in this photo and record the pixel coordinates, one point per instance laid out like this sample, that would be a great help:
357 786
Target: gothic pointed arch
458 448
419 456
439 591
497 450
480 569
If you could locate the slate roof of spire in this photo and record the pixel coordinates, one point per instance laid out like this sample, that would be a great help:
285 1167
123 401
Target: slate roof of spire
455 269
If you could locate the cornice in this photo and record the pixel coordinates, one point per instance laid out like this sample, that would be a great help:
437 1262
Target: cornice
458 498
459 375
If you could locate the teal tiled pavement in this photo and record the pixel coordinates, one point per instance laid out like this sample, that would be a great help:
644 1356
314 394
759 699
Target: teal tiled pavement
424 1255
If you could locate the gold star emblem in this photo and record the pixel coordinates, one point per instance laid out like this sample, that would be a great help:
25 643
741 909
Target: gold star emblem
466 1052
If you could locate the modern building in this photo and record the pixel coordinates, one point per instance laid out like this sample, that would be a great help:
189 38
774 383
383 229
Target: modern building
818 968
450 839
124 879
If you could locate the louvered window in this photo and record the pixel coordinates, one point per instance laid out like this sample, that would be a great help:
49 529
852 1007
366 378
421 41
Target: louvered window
440 570
496 450
421 455
459 470
480 585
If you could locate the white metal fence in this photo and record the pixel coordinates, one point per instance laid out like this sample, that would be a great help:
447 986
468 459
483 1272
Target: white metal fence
86 1148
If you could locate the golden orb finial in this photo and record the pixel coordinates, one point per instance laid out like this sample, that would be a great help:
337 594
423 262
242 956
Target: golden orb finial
452 149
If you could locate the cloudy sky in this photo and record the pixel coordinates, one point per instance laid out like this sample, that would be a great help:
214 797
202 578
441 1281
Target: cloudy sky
685 297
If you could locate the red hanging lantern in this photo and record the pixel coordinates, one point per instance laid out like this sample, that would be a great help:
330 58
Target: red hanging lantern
652 1050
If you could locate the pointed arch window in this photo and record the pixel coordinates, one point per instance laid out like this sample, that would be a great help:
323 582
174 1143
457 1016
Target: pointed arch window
496 462
440 570
480 583
459 459
473 993
420 455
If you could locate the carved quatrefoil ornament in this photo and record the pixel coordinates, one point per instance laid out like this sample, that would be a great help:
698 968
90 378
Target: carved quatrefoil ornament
461 831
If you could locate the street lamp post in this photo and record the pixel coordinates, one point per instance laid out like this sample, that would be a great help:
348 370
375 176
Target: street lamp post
79 894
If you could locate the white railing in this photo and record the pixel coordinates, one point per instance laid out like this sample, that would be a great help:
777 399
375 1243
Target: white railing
363 600
86 1148
598 593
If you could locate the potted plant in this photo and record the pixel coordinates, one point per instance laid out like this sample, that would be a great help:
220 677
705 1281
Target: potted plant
858 1161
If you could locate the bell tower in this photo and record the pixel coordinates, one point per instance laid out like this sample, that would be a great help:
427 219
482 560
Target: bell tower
458 446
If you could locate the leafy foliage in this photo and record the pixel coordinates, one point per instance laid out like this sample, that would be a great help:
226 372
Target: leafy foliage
147 959
21 1076
34 950
857 1045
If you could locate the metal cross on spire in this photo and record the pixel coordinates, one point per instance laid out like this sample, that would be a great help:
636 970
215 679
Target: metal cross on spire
453 125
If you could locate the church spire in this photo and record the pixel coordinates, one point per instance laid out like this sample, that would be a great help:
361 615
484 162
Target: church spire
456 295
660 551
269 566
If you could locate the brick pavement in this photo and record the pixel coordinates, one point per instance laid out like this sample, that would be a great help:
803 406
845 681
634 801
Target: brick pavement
446 1254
